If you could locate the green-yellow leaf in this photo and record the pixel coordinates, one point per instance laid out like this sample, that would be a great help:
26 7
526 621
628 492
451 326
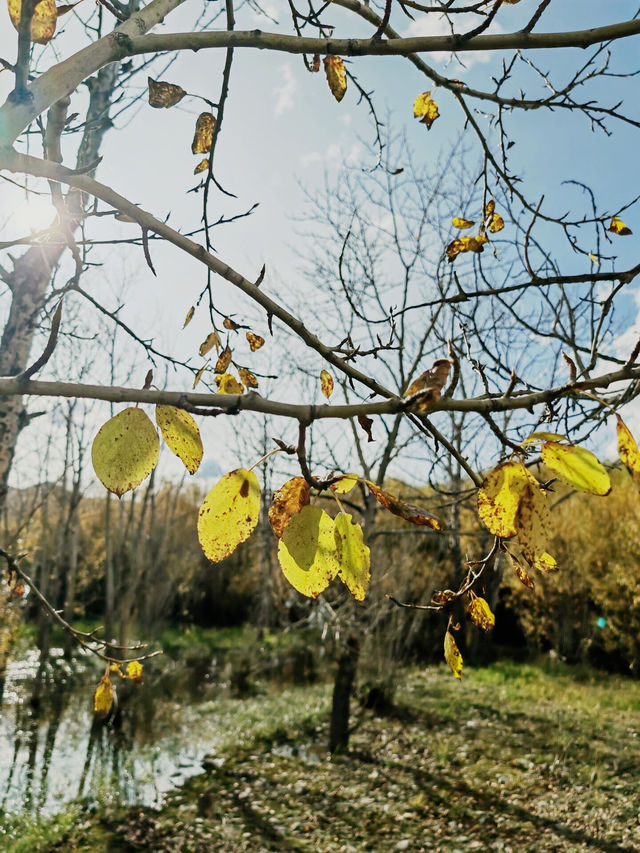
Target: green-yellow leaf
499 497
103 697
326 383
181 434
125 451
452 654
344 485
228 384
543 436
353 555
628 450
535 529
578 467
229 514
307 551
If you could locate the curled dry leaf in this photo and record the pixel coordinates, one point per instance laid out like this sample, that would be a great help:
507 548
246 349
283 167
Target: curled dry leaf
336 76
212 340
163 95
577 466
521 572
223 362
489 209
617 226
308 552
452 654
496 224
202 166
628 450
427 387
230 324
465 244
460 222
366 424
287 501
228 384
326 383
203 136
198 375
181 435
229 514
189 316
410 512
426 109
125 451
255 341
247 378
43 21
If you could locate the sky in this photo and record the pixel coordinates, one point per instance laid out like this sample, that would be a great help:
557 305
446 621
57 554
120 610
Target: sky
284 132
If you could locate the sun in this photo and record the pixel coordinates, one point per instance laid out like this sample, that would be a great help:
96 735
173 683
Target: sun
35 214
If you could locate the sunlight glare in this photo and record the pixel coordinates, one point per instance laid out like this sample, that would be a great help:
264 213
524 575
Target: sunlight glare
35 214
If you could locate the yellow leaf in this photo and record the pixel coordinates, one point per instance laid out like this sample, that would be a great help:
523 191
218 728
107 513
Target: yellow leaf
336 76
466 244
459 222
496 224
134 671
103 697
308 553
163 95
578 467
543 436
247 378
520 571
353 555
255 341
489 209
224 360
534 528
228 384
617 226
426 109
499 497
181 434
452 654
212 340
326 383
229 514
125 451
202 166
628 450
43 22
480 612
198 375
114 669
410 512
189 316
344 485
287 501
203 136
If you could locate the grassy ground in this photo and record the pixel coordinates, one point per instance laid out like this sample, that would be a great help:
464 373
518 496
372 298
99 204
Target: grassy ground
514 758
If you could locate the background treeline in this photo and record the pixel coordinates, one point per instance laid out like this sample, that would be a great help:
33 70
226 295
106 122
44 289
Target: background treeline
134 566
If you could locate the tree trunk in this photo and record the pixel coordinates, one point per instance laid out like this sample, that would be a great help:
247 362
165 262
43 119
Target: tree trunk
342 688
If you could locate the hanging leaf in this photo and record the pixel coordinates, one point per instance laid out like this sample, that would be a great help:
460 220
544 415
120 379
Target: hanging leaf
496 224
326 383
103 697
134 671
181 435
202 166
189 316
230 324
336 76
353 555
229 514
460 222
480 612
212 340
466 244
410 512
307 552
223 362
344 485
617 226
426 109
366 423
287 501
203 136
543 436
520 571
125 451
427 387
452 654
255 341
43 22
198 375
489 209
499 497
247 378
163 95
578 467
534 529
228 384
628 450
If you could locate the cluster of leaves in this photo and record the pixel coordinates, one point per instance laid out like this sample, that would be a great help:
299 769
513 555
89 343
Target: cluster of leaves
105 694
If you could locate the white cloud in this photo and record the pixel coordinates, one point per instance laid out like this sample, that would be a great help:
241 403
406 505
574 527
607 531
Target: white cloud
431 25
285 92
